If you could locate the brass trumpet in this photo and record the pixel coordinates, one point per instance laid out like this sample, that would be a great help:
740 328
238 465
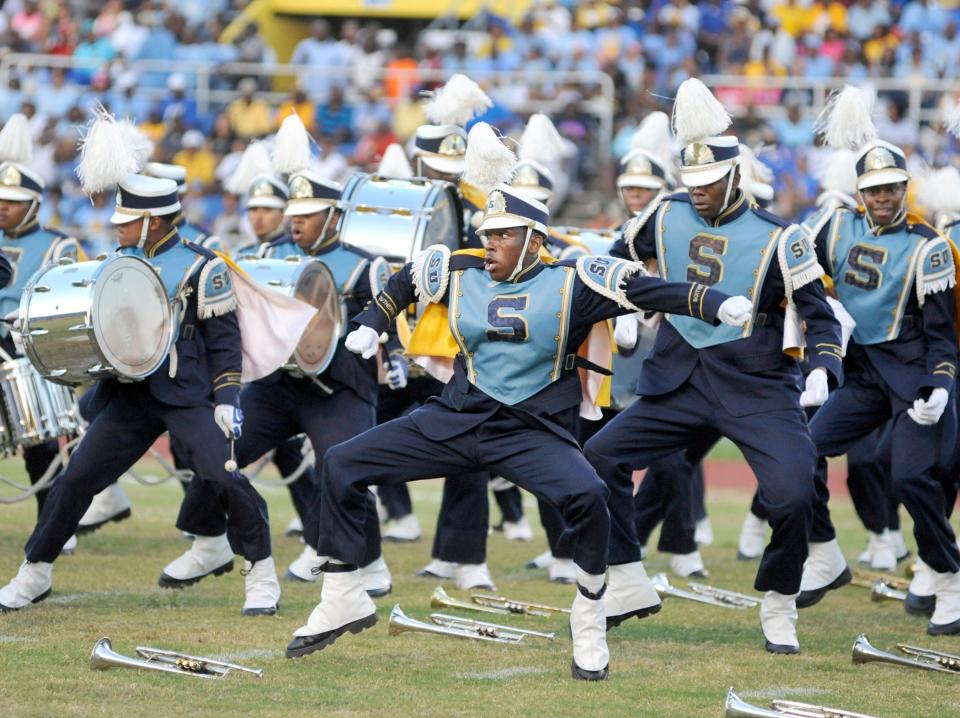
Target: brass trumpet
883 592
492 604
868 579
460 627
737 708
923 658
157 659
702 594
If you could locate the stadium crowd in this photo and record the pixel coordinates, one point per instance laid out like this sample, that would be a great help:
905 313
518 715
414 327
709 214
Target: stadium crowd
355 112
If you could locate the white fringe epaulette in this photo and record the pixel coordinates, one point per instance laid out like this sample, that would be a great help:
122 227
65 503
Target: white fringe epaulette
614 278
797 271
218 305
635 224
436 253
935 279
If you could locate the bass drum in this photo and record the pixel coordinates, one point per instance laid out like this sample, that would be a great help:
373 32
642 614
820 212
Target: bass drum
92 320
574 242
34 410
309 280
397 218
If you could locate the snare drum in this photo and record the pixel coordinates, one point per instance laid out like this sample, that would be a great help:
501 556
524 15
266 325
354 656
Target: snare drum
34 410
397 218
310 281
90 320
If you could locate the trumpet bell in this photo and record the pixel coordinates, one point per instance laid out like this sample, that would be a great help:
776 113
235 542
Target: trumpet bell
882 591
104 657
868 579
909 656
737 708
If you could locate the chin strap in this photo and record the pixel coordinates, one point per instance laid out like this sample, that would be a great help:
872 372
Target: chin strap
874 227
144 228
321 241
28 217
726 197
523 253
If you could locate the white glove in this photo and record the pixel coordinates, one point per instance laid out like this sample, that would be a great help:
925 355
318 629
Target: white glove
396 375
625 331
230 420
816 389
735 311
928 412
13 319
363 341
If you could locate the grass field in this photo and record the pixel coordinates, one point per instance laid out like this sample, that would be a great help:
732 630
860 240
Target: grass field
678 663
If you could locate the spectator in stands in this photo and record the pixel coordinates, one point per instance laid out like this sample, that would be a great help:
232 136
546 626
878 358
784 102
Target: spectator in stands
319 51
11 98
58 97
335 117
124 100
178 104
201 163
249 116
865 17
299 105
794 130
30 25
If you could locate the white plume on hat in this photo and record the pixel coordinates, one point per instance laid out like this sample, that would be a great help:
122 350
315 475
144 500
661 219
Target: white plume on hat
756 178
457 102
697 114
488 161
110 150
939 189
16 141
540 140
847 120
838 172
254 161
654 137
394 162
291 148
952 119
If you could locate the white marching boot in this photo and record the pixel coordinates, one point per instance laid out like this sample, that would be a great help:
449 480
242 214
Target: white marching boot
70 547
688 565
31 585
111 504
778 621
921 595
344 607
438 569
305 567
517 530
946 616
208 555
562 570
591 657
262 588
377 581
474 575
753 538
540 560
405 529
629 593
703 533
879 554
900 549
294 528
824 570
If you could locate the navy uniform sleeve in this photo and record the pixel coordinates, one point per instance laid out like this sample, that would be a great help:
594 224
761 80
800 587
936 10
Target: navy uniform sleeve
6 270
398 294
823 332
644 243
218 324
939 329
820 245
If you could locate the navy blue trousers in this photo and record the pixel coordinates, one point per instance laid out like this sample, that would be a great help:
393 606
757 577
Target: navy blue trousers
533 458
776 444
36 460
274 413
118 436
921 459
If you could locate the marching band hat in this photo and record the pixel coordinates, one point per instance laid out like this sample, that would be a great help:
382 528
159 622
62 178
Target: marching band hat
19 183
639 168
441 147
161 170
507 207
310 193
881 163
267 191
533 180
707 160
140 196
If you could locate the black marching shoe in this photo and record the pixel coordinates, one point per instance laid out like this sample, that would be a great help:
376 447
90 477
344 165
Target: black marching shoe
584 675
812 597
305 645
920 605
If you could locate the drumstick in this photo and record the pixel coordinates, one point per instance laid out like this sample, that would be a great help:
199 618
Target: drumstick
231 463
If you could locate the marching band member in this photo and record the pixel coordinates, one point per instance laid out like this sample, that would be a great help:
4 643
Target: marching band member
187 230
339 403
26 247
509 407
193 395
896 276
701 382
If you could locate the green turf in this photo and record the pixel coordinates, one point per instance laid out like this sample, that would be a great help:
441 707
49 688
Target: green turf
678 663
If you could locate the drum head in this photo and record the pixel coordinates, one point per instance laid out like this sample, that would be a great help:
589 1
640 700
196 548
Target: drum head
131 317
316 287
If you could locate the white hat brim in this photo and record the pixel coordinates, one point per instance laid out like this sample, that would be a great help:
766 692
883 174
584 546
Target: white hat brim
876 178
446 165
307 206
540 194
643 181
271 202
17 194
700 177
